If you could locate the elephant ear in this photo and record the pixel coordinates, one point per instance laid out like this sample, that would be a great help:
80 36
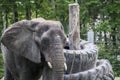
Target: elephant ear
19 39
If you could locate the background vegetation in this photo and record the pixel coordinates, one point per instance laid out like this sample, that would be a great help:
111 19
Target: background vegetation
103 16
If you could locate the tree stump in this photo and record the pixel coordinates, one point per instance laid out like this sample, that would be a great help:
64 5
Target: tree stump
74 28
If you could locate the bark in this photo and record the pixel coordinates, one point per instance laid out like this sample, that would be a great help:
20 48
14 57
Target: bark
53 4
15 13
54 7
105 38
114 40
5 22
74 28
100 37
114 36
28 10
36 11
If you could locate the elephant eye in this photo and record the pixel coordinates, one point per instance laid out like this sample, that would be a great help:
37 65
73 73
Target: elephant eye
45 41
44 44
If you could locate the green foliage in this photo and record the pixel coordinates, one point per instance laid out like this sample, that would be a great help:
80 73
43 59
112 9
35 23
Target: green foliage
109 18
1 66
108 54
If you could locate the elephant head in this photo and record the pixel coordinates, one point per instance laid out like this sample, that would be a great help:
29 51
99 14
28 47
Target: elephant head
34 40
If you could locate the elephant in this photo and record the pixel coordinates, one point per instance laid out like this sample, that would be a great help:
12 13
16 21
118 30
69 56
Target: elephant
28 46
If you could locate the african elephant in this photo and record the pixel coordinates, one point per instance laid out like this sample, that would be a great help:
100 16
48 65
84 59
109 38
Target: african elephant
29 46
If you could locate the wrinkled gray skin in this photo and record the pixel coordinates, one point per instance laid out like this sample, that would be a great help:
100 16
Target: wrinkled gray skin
27 46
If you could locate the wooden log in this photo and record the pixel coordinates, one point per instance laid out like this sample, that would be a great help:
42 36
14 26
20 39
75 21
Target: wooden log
74 28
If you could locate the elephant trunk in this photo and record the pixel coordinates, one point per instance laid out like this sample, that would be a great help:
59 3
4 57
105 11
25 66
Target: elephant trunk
58 62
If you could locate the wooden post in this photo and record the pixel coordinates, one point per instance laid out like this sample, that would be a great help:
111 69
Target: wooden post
74 26
90 35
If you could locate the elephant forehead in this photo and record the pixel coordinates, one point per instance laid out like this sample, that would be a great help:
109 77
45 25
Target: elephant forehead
39 20
54 23
51 24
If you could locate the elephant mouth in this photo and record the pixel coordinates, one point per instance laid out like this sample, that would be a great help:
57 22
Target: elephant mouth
50 66
56 57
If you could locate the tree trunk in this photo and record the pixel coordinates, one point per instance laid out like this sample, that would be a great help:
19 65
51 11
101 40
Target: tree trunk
36 10
54 7
74 26
100 37
114 41
4 14
113 36
15 13
53 4
105 38
28 10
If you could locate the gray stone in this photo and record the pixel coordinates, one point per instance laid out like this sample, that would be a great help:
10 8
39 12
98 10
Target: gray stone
102 71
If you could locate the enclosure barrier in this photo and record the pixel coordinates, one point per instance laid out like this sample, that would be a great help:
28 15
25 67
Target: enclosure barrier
84 65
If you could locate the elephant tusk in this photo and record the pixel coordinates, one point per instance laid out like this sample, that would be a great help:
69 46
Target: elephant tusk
65 65
49 64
